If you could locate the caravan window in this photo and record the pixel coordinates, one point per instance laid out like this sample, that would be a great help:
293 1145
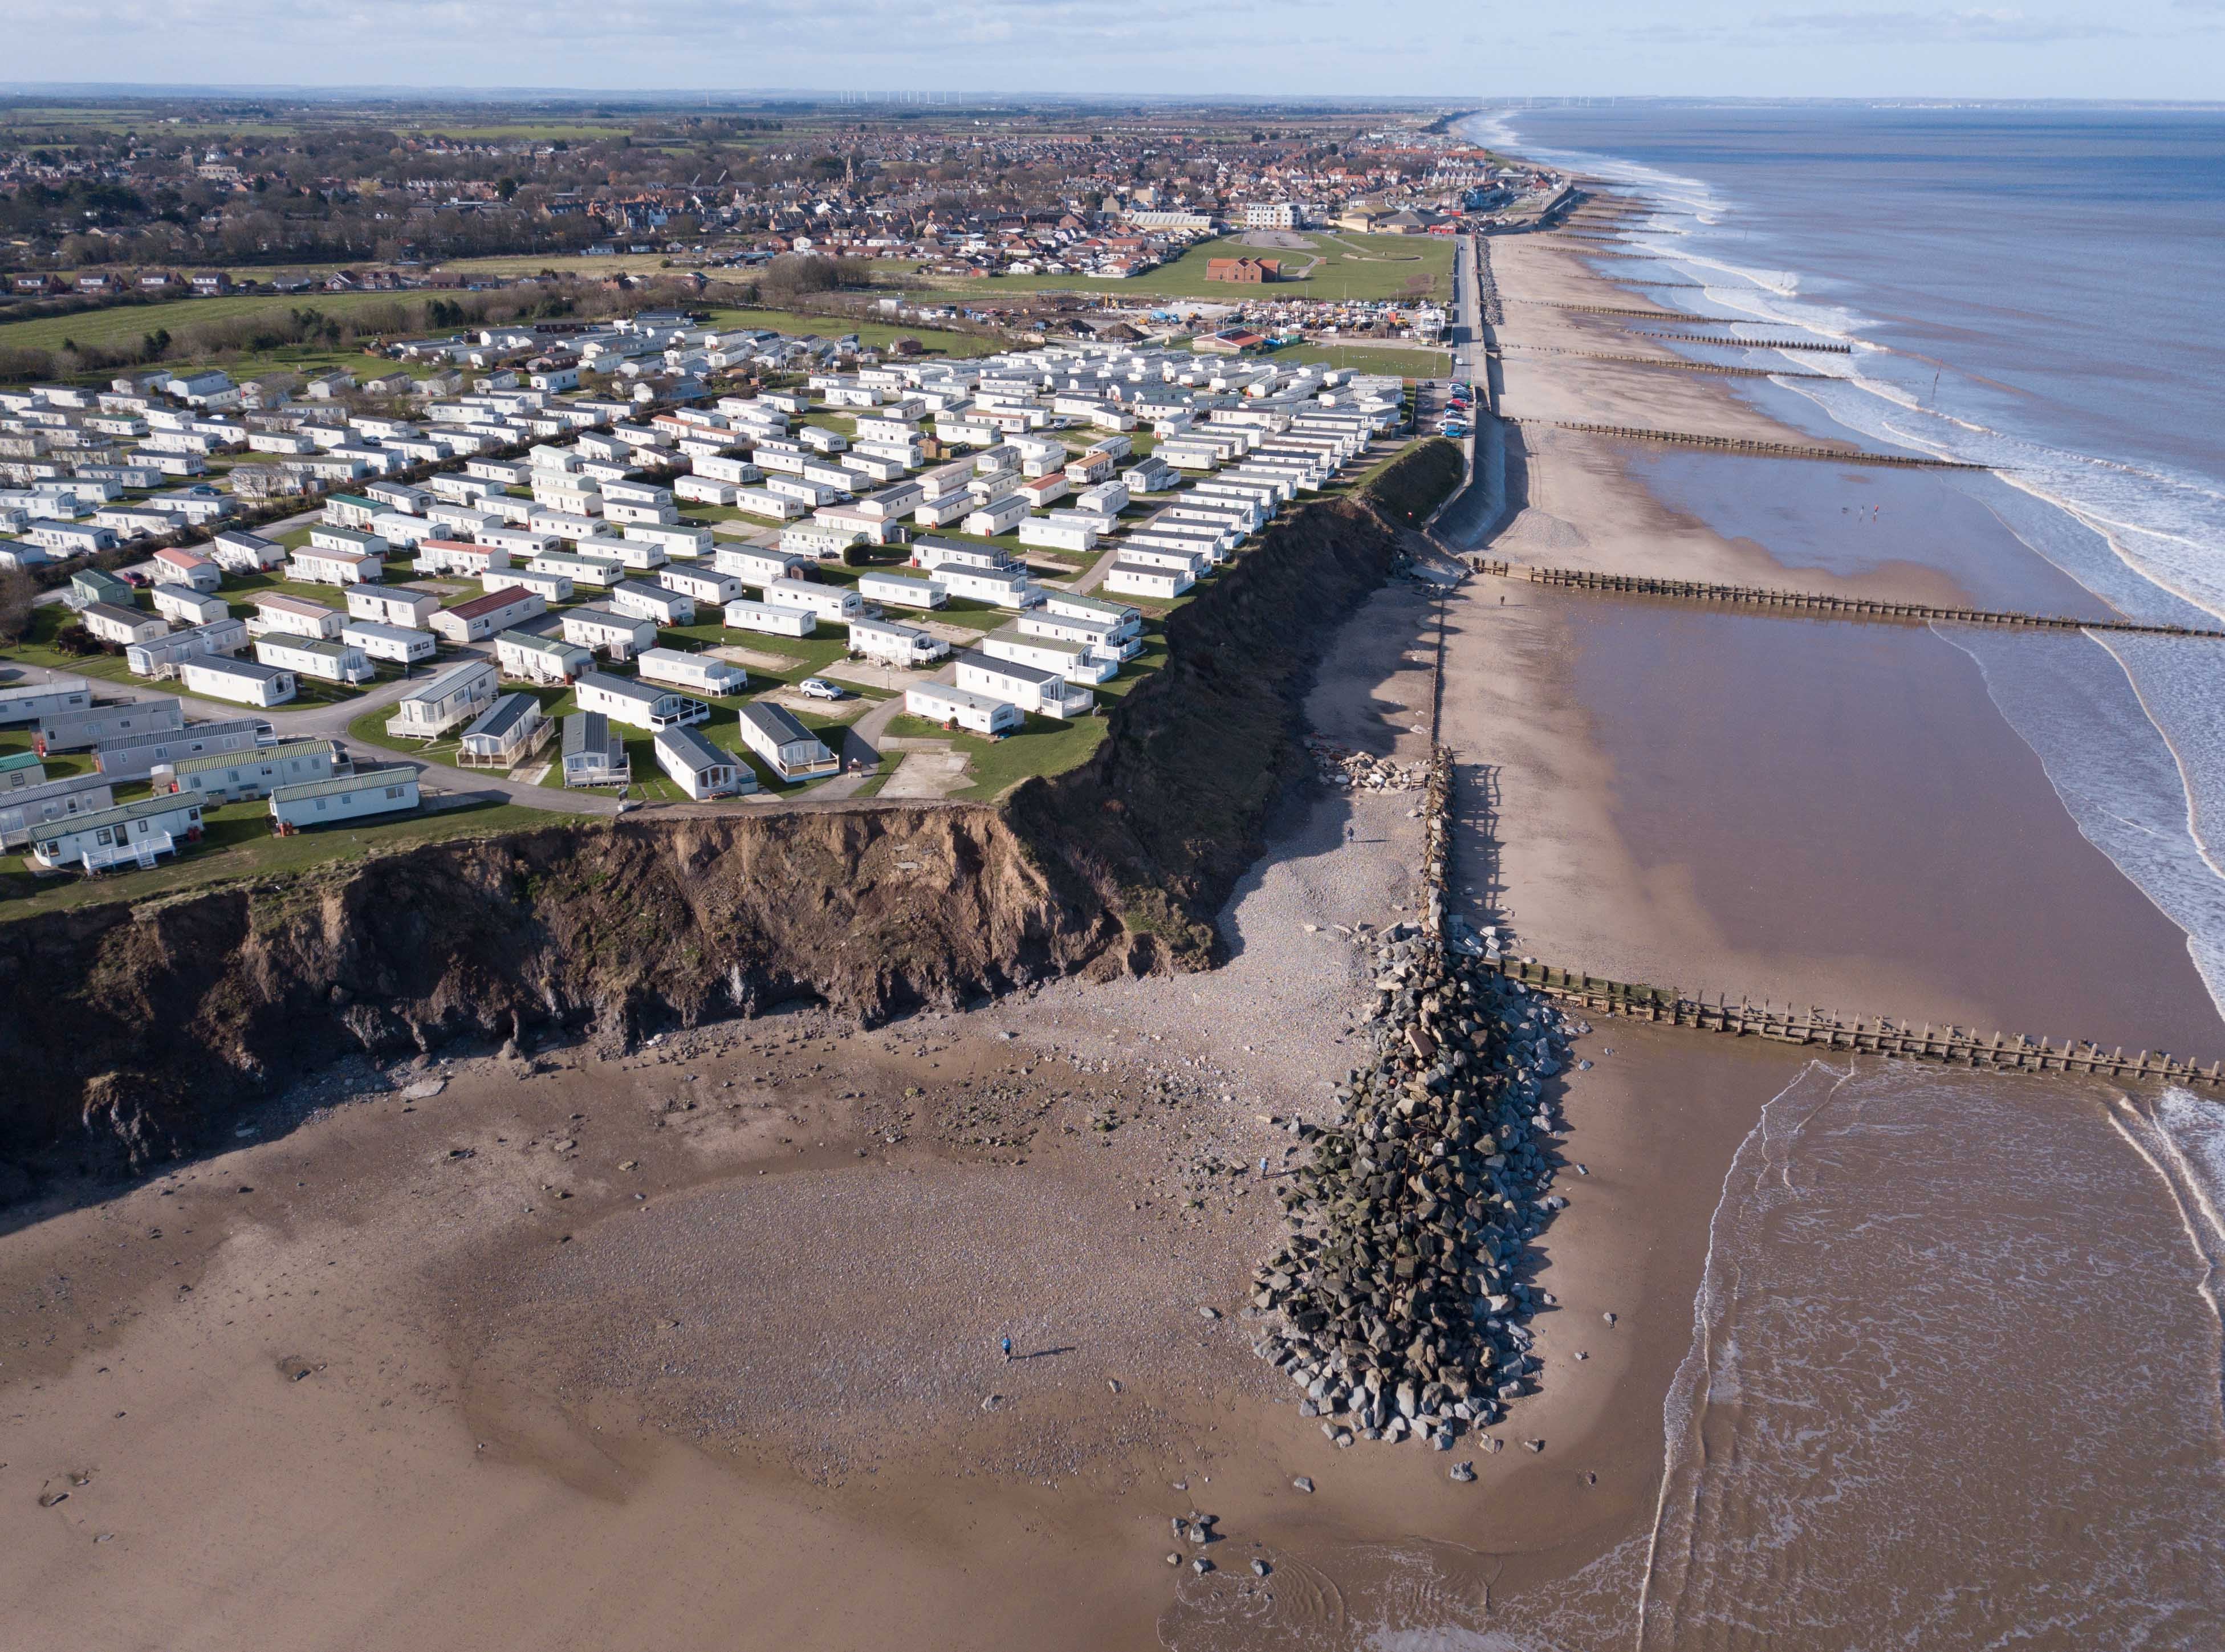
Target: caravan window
103 836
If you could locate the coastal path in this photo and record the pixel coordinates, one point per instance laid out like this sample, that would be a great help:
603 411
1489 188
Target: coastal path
1816 602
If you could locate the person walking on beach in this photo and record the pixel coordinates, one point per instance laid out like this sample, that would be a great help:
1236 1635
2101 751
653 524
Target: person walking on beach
1007 1346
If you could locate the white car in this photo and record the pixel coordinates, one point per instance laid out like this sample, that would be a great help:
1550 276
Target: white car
818 689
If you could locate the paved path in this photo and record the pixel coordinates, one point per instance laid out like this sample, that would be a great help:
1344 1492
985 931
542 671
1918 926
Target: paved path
861 741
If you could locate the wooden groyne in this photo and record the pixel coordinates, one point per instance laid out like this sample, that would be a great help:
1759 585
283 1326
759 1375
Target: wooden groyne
1746 445
1818 602
1947 1045
1748 343
1676 362
1607 309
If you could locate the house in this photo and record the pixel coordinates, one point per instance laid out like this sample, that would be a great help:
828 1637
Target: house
504 734
119 625
642 705
235 777
366 792
483 616
1029 688
136 756
241 553
962 708
790 750
314 565
456 695
837 603
23 811
894 644
595 753
704 673
699 768
325 660
1244 271
130 834
770 618
248 683
655 603
600 629
540 659
279 614
1134 579
379 640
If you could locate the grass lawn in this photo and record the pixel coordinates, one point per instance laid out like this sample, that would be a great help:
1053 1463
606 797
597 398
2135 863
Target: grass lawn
1371 358
1044 746
237 844
1349 267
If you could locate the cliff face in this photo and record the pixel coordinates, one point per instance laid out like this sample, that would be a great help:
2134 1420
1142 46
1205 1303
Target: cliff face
129 1034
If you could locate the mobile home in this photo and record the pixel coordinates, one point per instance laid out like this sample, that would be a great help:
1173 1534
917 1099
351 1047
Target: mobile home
790 750
345 797
700 768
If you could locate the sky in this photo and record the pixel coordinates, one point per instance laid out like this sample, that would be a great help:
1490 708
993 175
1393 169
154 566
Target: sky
2116 50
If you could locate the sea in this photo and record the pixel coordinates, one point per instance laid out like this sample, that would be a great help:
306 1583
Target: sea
1956 1376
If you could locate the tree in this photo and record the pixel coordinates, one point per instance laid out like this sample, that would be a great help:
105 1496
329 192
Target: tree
16 590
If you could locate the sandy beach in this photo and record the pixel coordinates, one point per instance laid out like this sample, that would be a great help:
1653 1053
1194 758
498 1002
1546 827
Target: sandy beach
698 1344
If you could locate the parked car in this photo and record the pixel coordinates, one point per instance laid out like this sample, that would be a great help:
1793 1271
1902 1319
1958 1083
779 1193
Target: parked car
819 689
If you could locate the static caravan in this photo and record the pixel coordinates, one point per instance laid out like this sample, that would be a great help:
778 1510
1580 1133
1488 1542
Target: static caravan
280 615
901 590
455 696
459 557
1180 557
345 797
80 728
894 644
248 682
550 587
595 571
757 564
699 768
33 702
161 656
772 618
540 659
999 517
762 501
334 567
396 642
1002 587
595 753
234 777
177 567
1104 638
137 756
1141 580
503 734
792 751
391 606
629 554
131 834
829 602
1062 531
315 656
963 708
707 587
242 553
684 541
185 606
1075 662
653 603
483 616
703 672
23 812
520 541
121 626
642 705
606 629
1025 686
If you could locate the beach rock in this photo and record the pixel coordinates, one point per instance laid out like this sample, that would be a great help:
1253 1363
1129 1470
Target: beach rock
1208 1313
1260 1568
1533 1445
1463 1472
1173 1560
1201 1565
1304 1483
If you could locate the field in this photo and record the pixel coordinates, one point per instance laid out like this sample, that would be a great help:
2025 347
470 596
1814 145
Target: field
1346 267
1407 362
119 327
877 334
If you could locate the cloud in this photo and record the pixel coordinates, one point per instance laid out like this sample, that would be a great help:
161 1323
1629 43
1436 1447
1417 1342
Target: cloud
1997 25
